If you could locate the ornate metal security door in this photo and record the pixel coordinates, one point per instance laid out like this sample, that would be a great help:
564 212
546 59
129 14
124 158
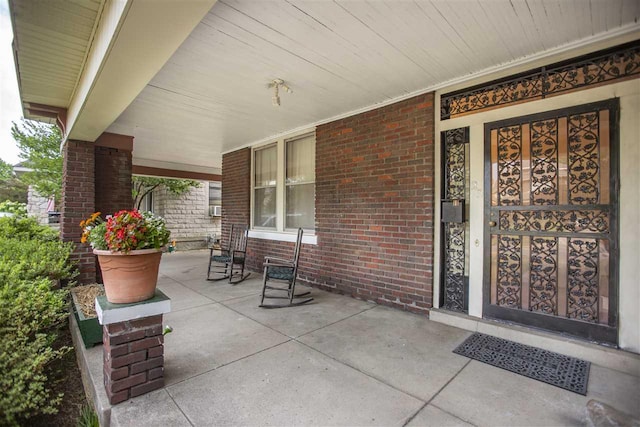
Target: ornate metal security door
551 237
455 283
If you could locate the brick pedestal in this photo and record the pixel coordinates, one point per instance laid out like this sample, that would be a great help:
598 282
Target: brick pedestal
133 358
133 347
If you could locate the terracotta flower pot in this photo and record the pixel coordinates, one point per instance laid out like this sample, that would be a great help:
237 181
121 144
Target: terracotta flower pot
129 277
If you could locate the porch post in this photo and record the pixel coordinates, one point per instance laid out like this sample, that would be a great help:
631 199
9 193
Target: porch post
78 202
113 160
96 176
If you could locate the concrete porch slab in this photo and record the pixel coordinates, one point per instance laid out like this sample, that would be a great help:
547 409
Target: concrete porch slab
432 416
154 409
210 336
289 385
222 290
325 309
482 392
232 363
402 349
181 297
608 357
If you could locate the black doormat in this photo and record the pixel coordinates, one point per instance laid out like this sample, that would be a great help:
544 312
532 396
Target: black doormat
556 369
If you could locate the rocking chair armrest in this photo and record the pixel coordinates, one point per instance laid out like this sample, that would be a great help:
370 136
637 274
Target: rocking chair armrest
278 264
269 259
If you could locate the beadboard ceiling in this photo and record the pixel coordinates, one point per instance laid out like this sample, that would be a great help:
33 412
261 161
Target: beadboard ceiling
52 41
340 56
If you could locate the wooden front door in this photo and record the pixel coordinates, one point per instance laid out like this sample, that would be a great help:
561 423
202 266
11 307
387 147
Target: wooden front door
551 236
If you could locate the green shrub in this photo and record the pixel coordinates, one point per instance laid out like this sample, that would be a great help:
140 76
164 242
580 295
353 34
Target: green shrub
32 259
16 208
26 229
30 316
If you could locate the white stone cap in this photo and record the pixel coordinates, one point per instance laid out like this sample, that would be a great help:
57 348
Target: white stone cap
114 313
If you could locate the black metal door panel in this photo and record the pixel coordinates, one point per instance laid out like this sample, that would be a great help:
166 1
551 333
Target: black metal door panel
454 230
551 220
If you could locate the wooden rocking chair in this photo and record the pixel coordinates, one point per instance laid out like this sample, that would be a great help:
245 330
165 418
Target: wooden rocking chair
284 271
233 256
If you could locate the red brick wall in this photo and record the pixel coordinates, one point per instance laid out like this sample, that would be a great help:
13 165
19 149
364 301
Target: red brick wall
374 207
113 180
236 190
78 203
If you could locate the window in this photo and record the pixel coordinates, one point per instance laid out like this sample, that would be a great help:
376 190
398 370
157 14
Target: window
265 178
147 202
284 185
215 198
300 182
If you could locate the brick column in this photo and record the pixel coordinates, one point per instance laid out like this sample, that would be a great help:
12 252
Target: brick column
113 173
133 358
78 202
236 189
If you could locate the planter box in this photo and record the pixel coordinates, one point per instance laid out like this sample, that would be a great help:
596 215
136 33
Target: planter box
90 329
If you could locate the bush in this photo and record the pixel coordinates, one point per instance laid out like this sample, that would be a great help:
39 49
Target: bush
16 208
32 259
26 229
31 314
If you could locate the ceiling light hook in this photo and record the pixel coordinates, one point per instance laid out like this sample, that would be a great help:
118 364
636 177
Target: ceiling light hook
276 84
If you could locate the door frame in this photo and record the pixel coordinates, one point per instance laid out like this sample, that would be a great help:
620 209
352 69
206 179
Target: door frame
607 334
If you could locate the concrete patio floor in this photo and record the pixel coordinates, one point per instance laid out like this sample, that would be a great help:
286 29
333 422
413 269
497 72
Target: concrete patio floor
337 361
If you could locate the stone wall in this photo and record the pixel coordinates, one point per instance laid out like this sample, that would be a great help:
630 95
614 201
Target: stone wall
187 216
37 206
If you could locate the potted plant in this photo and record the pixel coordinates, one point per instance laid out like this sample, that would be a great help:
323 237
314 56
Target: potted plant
129 246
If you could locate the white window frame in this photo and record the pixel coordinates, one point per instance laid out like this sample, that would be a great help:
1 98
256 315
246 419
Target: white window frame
280 233
208 198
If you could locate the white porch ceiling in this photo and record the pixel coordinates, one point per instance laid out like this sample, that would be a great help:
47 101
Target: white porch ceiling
212 96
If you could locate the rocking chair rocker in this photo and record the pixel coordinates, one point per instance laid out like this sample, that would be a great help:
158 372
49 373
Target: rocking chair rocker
284 271
234 255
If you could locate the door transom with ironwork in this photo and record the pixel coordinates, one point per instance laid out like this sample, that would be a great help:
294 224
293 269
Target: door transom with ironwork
551 235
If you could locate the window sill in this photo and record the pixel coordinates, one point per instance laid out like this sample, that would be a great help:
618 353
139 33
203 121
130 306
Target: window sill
308 239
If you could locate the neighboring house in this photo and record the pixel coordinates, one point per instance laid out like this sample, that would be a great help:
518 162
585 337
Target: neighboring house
194 218
41 207
459 167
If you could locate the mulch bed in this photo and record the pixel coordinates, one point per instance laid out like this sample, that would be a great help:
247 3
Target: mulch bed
69 382
86 296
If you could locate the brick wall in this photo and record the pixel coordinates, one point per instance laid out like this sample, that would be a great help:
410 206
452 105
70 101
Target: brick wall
374 206
112 180
187 216
236 188
78 203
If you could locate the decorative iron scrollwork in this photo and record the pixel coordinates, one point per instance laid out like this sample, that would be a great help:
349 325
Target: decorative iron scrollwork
510 165
509 284
454 188
454 289
584 159
587 221
601 67
543 280
583 280
544 162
